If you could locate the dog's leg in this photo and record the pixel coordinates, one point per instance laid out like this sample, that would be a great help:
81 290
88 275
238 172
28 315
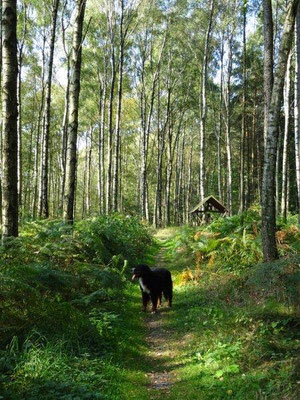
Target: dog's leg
168 297
154 299
159 300
145 299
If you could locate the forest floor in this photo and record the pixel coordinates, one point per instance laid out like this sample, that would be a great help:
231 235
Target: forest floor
161 348
212 345
220 340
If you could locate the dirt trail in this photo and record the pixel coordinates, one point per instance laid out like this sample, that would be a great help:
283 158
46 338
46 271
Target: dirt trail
160 348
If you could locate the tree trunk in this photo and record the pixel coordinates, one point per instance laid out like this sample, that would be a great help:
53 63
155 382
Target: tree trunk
297 105
157 214
64 127
44 202
19 102
189 183
71 162
84 183
286 97
110 132
268 185
228 127
89 177
242 146
203 105
38 137
9 119
171 146
219 134
118 115
268 61
64 139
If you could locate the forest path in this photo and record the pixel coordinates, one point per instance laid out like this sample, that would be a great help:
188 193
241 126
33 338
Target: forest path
159 338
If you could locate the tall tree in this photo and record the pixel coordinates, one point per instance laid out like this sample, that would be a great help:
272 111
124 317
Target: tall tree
119 108
112 28
268 185
203 101
297 105
227 102
21 43
242 149
286 97
44 202
71 159
9 118
268 60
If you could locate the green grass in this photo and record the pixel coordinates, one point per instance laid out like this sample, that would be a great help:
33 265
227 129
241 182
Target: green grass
71 326
52 368
228 341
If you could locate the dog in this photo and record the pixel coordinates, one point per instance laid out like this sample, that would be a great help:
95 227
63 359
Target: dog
153 283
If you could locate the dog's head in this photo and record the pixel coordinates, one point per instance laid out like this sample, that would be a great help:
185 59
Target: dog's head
140 271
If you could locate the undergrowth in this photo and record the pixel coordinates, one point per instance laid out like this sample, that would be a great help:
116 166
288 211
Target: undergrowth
240 316
66 317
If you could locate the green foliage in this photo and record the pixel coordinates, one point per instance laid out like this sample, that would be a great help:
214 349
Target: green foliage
231 244
62 292
241 334
245 221
105 236
279 279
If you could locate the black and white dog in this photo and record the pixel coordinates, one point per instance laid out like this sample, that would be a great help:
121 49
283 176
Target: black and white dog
153 283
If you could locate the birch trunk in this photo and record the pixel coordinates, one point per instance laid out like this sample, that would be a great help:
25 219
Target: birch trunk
19 102
89 168
38 137
242 146
9 119
286 97
219 134
110 133
203 105
189 184
101 140
44 201
268 61
228 128
268 185
64 128
71 163
118 115
297 105
1 136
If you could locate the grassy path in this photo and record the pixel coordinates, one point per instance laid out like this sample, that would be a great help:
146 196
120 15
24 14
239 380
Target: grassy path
158 339
214 343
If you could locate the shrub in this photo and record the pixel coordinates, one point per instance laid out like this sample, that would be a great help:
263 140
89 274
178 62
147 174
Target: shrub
279 279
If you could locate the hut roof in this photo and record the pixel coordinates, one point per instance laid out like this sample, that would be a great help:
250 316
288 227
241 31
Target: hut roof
213 202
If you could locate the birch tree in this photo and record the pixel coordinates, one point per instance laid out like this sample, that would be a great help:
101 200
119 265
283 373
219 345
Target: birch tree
203 101
286 97
268 61
297 105
71 159
44 202
268 184
9 119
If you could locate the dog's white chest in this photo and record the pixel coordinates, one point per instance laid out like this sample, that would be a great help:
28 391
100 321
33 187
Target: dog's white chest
144 288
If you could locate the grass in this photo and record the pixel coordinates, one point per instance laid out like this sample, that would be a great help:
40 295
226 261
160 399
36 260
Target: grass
52 368
71 326
228 343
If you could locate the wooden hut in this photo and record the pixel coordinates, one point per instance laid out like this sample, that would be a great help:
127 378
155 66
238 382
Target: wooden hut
203 211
